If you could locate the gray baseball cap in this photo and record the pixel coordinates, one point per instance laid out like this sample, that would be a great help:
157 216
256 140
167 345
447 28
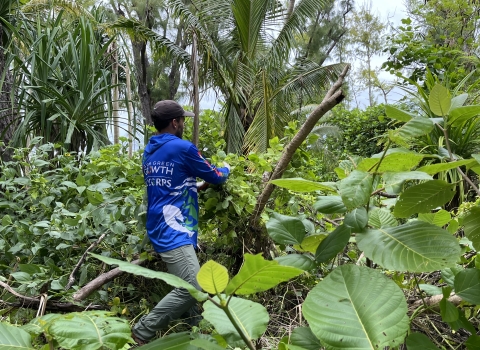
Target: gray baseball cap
169 109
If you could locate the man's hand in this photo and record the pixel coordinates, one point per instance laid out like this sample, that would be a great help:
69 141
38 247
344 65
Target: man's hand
226 165
202 185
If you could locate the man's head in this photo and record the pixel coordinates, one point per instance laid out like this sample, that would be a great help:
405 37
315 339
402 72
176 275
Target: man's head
169 116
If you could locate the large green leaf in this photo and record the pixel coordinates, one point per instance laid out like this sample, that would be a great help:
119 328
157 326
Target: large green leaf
258 275
310 243
448 311
440 218
205 344
433 169
330 205
473 342
448 274
419 341
175 341
472 227
357 219
397 178
398 114
416 247
346 312
333 244
356 189
416 127
250 316
440 100
299 261
303 337
213 277
14 338
285 229
398 161
89 330
460 115
458 101
302 185
467 285
142 271
423 197
381 218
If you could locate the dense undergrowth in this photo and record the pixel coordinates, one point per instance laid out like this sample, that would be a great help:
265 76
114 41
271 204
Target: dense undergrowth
377 245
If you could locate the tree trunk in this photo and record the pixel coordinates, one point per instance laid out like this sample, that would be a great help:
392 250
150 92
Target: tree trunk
140 59
131 133
8 117
174 76
115 103
196 99
291 6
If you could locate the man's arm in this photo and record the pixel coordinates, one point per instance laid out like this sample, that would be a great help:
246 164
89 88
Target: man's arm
200 167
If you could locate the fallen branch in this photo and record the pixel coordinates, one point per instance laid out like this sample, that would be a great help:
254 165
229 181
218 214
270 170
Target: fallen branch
54 306
96 283
434 300
333 97
71 278
51 305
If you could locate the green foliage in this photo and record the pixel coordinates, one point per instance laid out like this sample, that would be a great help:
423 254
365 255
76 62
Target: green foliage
360 131
258 275
64 84
77 330
416 246
251 317
254 75
12 337
438 37
424 197
322 235
419 341
54 207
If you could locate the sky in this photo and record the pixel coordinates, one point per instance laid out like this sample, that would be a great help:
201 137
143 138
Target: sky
393 11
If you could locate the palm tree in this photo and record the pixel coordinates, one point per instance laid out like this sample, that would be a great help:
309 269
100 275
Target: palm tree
63 91
247 54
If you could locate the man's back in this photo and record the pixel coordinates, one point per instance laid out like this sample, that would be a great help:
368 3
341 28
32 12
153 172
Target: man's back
171 166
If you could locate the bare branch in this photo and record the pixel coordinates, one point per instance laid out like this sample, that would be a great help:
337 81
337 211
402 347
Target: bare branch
71 278
34 302
93 285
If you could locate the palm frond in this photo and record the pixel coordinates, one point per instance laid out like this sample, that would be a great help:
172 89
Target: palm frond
234 132
139 32
308 78
293 25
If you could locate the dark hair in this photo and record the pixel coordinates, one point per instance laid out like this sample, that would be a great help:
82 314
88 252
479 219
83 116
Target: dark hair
161 124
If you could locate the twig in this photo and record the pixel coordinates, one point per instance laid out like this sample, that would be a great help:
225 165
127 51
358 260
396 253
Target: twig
71 278
331 221
18 295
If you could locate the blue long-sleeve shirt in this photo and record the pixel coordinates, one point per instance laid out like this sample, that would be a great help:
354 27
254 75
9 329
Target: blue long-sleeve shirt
170 168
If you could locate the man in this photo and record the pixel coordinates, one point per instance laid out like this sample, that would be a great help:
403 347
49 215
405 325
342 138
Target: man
170 167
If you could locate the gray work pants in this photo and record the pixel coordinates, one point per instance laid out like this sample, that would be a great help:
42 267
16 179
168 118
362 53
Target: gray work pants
181 262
